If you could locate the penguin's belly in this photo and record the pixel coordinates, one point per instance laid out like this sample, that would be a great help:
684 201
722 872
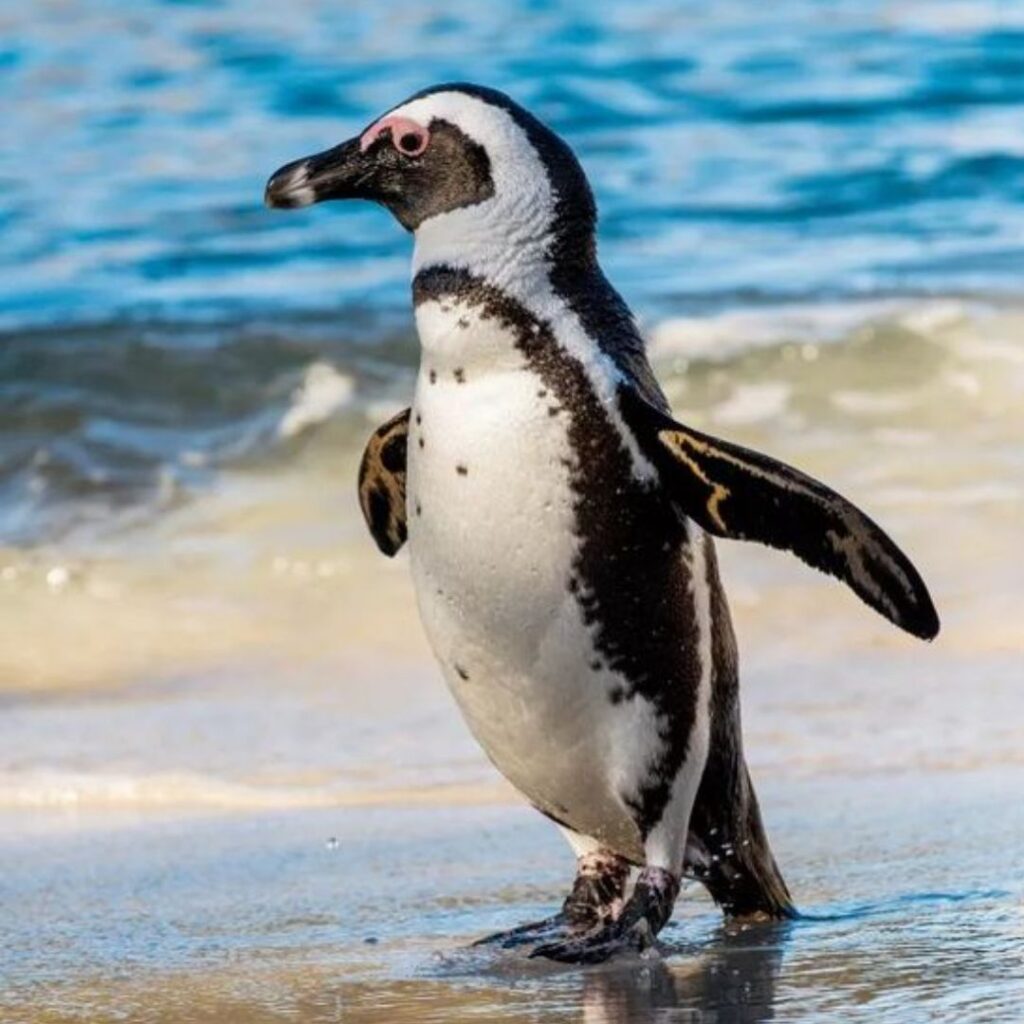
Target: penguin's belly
492 549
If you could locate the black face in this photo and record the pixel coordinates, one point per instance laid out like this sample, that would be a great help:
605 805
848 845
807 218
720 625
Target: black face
416 172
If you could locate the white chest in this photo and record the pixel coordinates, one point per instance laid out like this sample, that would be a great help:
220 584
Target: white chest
492 547
489 499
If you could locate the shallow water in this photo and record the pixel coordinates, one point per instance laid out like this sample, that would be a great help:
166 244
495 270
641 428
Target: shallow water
228 760
367 916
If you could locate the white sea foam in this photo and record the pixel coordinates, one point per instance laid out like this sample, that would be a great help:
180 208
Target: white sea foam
55 788
721 337
97 791
751 403
956 17
871 403
321 394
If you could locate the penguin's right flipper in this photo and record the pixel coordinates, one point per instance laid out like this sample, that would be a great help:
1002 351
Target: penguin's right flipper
382 483
740 494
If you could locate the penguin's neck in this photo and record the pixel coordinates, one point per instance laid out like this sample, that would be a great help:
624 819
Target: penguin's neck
466 321
459 335
511 254
451 291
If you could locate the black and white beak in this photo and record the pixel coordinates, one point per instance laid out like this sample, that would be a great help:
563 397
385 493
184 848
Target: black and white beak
344 172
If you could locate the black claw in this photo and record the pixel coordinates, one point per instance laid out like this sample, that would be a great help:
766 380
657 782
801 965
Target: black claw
595 947
525 934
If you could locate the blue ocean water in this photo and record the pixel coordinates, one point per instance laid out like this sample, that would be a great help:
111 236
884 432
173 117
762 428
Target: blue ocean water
742 154
738 149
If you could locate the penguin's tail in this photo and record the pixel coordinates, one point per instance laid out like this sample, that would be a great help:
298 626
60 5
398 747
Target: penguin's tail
728 851
727 848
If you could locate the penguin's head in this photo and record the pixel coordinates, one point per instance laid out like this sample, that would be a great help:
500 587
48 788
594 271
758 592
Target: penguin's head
465 168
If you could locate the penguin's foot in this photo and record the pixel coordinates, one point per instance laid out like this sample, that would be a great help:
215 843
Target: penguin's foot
536 931
597 893
643 916
594 947
595 900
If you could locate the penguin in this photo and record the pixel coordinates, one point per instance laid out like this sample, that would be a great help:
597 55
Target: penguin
560 523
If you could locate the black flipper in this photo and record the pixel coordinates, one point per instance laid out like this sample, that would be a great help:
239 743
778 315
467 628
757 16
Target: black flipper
740 494
382 483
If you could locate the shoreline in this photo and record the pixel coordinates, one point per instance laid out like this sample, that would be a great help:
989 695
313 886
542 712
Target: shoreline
291 914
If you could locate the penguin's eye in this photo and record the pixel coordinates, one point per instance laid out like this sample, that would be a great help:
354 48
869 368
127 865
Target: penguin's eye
408 137
410 141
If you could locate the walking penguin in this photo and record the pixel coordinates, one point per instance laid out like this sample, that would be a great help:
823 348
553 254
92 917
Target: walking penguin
560 522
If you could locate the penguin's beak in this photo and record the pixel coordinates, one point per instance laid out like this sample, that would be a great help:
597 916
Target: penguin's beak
344 172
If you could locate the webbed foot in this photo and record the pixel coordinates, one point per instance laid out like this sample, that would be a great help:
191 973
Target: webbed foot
595 899
634 930
594 947
536 931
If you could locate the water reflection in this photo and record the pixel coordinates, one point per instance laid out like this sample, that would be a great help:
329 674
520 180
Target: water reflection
732 976
728 973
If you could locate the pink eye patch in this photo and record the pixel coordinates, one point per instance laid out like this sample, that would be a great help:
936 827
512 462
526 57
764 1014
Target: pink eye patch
407 136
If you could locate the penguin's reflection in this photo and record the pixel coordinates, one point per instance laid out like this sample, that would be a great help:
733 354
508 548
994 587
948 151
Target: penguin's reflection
730 977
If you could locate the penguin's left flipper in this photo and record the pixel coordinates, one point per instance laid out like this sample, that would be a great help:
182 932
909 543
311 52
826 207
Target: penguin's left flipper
740 494
382 483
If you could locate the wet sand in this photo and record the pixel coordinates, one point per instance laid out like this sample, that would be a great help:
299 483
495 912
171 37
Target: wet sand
336 845
911 883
